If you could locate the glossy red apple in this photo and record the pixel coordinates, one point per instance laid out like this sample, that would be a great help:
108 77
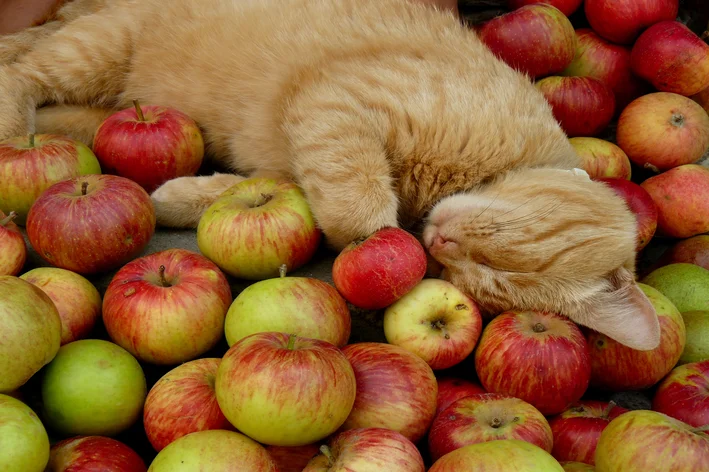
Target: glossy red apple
293 458
684 394
93 453
374 272
567 7
602 158
451 389
622 21
13 250
641 204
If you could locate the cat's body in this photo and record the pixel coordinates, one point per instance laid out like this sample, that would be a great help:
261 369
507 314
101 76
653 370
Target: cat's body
382 111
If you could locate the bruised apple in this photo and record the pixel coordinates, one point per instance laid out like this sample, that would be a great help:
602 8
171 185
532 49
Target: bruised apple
601 158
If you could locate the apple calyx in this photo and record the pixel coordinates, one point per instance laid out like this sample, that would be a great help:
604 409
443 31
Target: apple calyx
291 341
11 216
496 422
265 198
328 454
138 110
440 324
31 140
677 120
607 411
539 328
84 188
161 275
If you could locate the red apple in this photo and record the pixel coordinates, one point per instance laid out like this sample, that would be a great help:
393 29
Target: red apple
451 389
567 7
541 358
577 429
684 394
396 390
149 145
374 272
583 106
497 456
616 367
13 250
93 453
487 417
602 158
91 224
368 450
292 458
672 58
167 307
641 204
682 198
694 250
663 130
183 401
622 21
538 40
702 98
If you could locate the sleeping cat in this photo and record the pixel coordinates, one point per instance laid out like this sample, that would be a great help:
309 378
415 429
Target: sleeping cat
385 112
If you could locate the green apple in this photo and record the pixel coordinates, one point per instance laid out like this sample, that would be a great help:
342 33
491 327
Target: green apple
30 331
24 444
500 455
696 348
92 387
686 285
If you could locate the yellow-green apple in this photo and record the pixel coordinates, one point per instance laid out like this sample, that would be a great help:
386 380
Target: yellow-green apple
77 300
94 453
694 250
487 417
567 7
258 225
702 98
214 450
672 58
643 440
91 224
451 389
306 306
662 130
682 198
92 387
13 250
29 165
292 458
31 331
149 145
696 348
641 204
25 443
577 429
622 21
367 450
541 358
601 158
616 367
375 271
284 390
538 40
573 466
436 321
583 106
183 401
396 390
685 285
495 456
167 307
684 394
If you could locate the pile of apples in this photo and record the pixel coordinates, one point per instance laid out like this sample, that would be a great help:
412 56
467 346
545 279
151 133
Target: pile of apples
451 389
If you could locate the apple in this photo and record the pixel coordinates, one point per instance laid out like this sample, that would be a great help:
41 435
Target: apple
92 224
643 440
13 250
541 358
451 389
214 451
367 450
684 394
305 306
577 429
702 98
258 225
487 417
31 331
94 453
583 106
567 7
696 348
615 367
292 458
396 390
682 198
573 466
537 40
29 165
284 390
92 387
641 204
149 145
374 272
672 58
685 285
183 401
436 321
694 250
167 307
622 21
25 443
663 130
77 300
504 454
601 158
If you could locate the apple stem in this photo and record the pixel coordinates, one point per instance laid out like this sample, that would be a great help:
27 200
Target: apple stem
327 453
609 408
138 110
291 341
8 218
161 272
677 119
652 167
282 270
439 324
32 140
538 328
84 187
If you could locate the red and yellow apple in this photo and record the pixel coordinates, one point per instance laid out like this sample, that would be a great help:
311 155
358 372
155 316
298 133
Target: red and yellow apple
451 389
694 250
13 250
601 158
622 21
94 453
573 466
567 7
495 456
293 458
684 394
25 443
641 204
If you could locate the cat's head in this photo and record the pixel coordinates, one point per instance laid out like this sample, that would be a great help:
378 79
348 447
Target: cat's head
546 239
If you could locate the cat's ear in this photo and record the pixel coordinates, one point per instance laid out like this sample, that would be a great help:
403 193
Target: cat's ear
623 313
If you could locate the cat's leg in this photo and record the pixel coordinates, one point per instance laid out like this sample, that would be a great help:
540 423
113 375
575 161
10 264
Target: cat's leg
75 121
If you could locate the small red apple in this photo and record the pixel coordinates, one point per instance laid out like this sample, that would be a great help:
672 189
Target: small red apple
451 389
567 7
13 250
684 394
93 453
641 204
622 21
602 158
292 458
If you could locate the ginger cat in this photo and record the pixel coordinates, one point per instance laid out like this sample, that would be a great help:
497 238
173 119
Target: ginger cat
385 112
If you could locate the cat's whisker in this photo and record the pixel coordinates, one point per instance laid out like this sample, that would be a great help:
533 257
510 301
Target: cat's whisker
525 220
